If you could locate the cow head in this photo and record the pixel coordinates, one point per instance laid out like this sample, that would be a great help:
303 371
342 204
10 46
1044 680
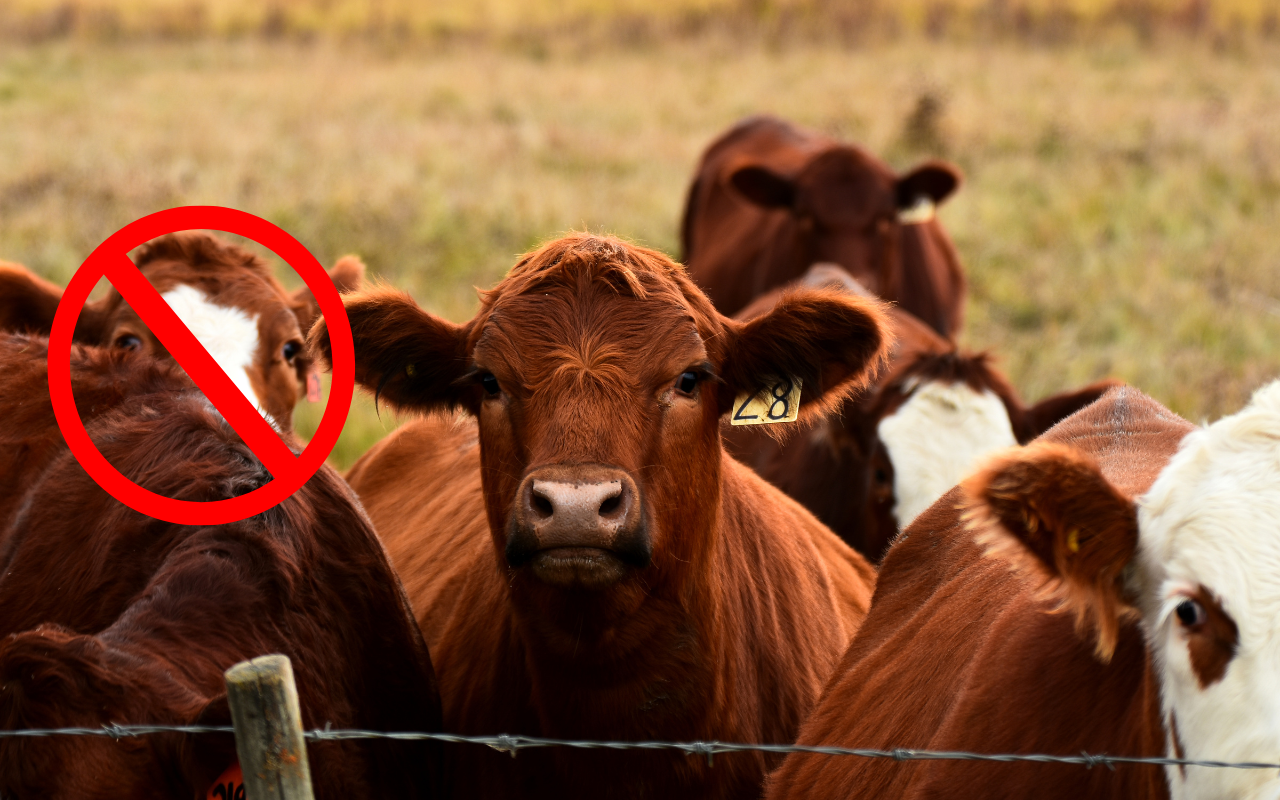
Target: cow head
1195 558
851 209
598 373
224 294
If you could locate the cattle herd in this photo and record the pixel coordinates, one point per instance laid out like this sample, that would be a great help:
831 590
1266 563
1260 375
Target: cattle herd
571 539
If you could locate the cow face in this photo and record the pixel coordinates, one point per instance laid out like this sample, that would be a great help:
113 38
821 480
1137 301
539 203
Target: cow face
226 296
1196 557
598 374
850 208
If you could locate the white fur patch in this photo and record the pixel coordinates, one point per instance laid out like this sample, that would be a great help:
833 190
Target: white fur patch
1212 519
935 438
229 334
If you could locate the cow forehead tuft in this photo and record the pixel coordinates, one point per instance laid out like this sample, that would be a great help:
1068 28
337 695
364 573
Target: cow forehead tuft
584 259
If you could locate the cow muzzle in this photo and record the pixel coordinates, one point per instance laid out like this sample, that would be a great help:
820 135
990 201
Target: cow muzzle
578 526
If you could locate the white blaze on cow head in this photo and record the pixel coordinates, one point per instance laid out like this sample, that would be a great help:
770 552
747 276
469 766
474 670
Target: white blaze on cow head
1197 558
936 437
228 333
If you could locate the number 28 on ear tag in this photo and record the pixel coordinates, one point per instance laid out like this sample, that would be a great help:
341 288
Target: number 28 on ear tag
778 400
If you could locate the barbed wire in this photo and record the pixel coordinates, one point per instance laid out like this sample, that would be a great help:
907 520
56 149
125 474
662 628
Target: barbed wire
508 743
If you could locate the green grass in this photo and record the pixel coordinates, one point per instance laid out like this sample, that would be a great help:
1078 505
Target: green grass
1119 217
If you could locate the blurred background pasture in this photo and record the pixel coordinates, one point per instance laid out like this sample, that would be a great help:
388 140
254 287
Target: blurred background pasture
1119 218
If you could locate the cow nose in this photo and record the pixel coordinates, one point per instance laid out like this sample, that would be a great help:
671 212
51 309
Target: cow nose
602 505
564 511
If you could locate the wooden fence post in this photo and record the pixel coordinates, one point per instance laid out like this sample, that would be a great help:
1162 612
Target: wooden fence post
268 723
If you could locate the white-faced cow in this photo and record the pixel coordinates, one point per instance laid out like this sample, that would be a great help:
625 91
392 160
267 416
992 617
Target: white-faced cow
1108 589
223 293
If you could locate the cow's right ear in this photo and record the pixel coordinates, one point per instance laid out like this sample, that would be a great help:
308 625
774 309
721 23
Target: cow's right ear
1047 507
764 187
27 301
411 359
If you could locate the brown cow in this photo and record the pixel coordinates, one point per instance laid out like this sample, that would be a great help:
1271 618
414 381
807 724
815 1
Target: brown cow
959 652
225 294
585 560
891 452
769 199
109 616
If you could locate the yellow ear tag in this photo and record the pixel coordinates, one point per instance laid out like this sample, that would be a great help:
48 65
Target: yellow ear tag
1073 541
778 400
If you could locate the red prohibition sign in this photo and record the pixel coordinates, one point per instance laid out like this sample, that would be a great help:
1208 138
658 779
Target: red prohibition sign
289 472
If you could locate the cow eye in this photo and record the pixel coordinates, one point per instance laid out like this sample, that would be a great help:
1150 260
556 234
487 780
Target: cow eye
490 384
128 342
687 382
290 351
1190 613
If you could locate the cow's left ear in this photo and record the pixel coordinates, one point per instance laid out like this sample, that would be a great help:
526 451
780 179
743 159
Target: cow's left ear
1048 508
347 275
832 342
936 180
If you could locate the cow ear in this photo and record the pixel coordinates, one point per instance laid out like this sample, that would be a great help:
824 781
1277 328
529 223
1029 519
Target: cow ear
834 343
1047 508
1050 411
935 180
764 187
411 359
347 276
27 302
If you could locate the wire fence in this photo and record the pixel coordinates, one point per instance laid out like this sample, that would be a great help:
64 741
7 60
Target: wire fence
512 744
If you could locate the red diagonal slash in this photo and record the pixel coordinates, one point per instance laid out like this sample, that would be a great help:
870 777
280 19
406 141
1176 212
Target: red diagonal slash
200 366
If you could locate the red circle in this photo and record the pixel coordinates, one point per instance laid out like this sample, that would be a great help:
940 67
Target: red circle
190 512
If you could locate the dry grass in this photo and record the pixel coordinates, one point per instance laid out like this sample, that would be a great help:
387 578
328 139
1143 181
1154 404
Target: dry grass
506 19
1118 219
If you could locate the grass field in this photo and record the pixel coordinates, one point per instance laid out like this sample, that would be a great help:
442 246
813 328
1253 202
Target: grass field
1120 215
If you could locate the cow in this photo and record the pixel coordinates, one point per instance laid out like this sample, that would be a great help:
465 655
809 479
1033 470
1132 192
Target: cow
977 642
110 616
889 453
584 558
223 293
769 199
